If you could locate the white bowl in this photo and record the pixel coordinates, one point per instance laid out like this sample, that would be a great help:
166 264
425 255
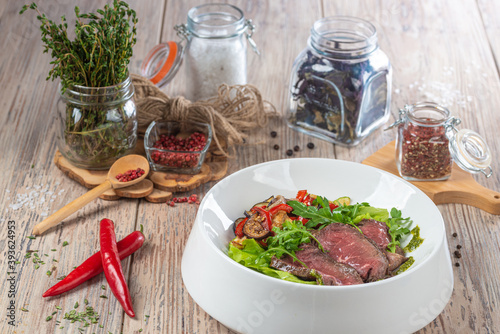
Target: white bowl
250 302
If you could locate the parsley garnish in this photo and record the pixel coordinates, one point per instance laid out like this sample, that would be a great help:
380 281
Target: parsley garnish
398 228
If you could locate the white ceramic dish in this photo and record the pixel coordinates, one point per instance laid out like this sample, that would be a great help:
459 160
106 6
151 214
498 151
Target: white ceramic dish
249 302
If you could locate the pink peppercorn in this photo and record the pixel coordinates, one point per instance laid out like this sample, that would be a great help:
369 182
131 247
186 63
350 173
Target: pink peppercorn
194 143
130 175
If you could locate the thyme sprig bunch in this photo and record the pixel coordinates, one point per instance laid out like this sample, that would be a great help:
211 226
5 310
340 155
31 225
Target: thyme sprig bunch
101 51
98 124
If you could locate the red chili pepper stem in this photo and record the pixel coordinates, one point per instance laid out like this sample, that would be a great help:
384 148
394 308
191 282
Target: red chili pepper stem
93 265
112 266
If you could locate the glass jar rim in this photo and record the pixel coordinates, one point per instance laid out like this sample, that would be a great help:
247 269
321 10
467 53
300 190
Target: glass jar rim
344 34
231 17
84 95
436 114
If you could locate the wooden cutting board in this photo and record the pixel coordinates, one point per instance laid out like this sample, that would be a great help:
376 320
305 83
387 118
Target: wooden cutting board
158 188
459 188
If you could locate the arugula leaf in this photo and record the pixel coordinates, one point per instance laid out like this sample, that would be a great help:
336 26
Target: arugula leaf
320 217
287 240
398 228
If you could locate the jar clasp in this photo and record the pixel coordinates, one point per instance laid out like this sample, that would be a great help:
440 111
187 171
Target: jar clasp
250 31
402 112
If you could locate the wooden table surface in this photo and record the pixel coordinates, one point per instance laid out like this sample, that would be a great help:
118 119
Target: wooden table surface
444 51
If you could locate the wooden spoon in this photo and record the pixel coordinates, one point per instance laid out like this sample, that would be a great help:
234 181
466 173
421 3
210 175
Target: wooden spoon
121 165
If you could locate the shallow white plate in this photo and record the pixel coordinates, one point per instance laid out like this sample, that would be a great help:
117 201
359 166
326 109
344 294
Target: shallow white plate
250 302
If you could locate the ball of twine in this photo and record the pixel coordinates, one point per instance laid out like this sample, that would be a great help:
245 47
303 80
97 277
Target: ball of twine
233 111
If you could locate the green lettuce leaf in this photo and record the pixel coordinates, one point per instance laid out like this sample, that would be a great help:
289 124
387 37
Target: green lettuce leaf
249 257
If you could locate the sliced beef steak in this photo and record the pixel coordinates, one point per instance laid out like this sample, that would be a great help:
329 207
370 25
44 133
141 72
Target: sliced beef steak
379 233
345 244
331 271
287 264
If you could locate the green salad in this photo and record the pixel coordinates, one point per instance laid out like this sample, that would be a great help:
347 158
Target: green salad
277 227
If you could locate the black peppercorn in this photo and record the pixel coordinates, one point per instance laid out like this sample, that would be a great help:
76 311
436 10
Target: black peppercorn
276 147
459 246
457 254
296 148
455 235
289 152
310 145
457 264
274 134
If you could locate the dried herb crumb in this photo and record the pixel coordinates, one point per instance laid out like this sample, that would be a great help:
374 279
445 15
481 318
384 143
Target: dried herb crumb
53 249
48 318
31 237
103 287
54 312
58 307
86 301
76 305
103 296
24 309
49 273
65 243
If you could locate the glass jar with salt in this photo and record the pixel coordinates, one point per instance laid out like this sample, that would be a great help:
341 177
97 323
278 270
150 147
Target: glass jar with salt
215 51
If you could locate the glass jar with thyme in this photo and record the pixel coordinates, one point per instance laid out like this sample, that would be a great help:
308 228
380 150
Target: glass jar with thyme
96 109
97 125
340 87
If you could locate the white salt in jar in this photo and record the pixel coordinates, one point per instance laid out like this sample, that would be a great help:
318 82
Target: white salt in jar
215 52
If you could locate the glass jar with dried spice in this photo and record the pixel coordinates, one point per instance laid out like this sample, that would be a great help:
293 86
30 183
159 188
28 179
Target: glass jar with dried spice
340 87
428 142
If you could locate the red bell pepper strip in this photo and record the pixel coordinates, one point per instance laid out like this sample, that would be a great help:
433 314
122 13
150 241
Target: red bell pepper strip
301 195
93 265
112 266
280 207
239 228
333 206
266 214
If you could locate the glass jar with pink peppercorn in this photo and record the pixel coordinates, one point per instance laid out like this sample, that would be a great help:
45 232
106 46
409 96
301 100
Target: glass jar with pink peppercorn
178 147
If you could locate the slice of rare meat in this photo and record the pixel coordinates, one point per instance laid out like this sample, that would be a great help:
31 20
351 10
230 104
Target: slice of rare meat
379 233
331 271
345 244
287 264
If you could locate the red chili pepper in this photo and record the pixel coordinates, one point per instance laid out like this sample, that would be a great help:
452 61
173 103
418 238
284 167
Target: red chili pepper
112 266
280 207
266 214
93 265
239 228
